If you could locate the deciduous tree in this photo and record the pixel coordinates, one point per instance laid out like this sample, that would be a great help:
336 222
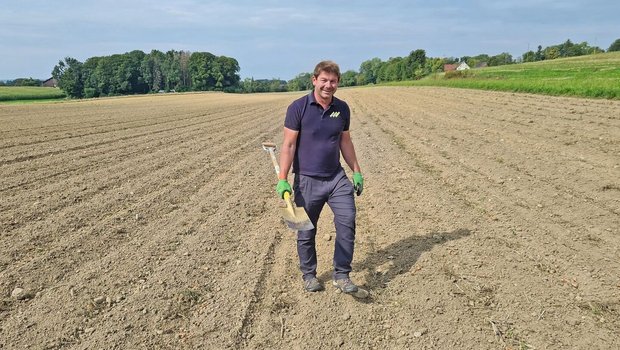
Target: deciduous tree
369 70
348 78
68 73
615 46
301 82
529 56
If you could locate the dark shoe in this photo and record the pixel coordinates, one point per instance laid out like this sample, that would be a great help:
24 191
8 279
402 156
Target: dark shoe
313 285
345 285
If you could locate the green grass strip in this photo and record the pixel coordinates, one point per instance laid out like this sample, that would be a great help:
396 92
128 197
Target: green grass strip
592 76
24 93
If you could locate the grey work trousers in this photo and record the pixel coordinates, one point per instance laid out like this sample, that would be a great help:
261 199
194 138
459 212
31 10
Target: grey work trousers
312 193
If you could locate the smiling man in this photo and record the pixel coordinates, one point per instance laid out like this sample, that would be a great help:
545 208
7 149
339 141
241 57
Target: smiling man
316 132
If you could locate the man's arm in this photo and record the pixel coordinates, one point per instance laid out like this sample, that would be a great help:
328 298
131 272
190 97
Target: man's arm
287 152
348 151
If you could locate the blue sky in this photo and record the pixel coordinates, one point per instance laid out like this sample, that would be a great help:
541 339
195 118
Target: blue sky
280 39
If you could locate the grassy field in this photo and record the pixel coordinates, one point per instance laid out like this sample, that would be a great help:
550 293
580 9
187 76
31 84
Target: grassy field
29 93
596 76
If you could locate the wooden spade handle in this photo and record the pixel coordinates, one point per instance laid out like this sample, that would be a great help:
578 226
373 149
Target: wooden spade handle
271 147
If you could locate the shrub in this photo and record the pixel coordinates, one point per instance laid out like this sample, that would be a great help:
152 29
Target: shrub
90 92
455 74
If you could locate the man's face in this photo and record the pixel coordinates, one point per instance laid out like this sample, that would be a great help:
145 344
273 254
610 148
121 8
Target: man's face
325 85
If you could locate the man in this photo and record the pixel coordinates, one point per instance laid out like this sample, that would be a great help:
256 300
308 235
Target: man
316 132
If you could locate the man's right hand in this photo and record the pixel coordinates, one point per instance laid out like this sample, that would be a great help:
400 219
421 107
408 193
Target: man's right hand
358 183
283 186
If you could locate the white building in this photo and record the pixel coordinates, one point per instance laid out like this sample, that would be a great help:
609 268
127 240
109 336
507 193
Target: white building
462 66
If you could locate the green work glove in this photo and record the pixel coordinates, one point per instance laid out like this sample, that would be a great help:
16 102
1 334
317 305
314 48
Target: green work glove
358 183
283 186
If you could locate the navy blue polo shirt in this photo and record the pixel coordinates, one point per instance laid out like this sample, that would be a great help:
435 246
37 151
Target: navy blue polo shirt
320 131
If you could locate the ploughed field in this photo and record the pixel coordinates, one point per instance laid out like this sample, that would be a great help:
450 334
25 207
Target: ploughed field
488 220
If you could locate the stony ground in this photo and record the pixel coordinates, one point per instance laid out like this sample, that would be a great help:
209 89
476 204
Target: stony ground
488 221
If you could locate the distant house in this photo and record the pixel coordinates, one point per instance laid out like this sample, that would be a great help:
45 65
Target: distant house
481 65
51 82
462 66
449 67
456 66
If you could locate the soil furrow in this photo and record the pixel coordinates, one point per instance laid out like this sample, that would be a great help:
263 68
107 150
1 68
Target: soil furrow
159 171
132 135
248 141
114 151
477 228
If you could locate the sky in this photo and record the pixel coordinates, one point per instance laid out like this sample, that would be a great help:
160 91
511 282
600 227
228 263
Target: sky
281 39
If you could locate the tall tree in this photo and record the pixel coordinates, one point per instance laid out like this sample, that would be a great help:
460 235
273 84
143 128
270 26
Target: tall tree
171 69
392 70
369 70
89 69
129 75
615 46
348 78
228 72
413 63
68 73
540 55
104 75
200 64
186 81
152 70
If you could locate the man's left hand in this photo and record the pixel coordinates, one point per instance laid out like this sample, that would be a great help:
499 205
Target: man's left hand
358 183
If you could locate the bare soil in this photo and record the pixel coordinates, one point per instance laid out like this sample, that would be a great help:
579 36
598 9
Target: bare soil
489 221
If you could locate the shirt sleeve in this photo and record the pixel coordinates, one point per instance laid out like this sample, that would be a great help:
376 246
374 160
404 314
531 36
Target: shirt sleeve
347 117
293 117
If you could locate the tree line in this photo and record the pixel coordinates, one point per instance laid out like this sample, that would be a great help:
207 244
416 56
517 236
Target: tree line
416 65
137 73
566 49
22 82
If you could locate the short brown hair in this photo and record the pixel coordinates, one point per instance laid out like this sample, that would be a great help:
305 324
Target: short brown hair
328 67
